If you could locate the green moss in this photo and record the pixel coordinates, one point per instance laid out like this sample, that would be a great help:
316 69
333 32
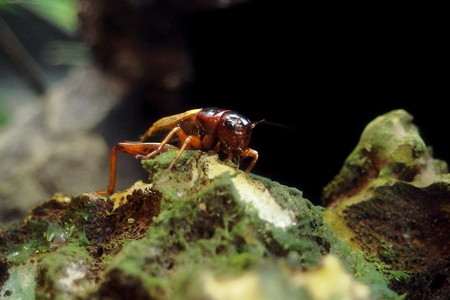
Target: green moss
21 283
212 228
27 239
390 148
200 220
63 274
165 159
389 201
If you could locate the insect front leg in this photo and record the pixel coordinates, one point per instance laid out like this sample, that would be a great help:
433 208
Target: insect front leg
254 154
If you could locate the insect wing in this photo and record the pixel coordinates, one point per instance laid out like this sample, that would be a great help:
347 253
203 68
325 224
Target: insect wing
170 122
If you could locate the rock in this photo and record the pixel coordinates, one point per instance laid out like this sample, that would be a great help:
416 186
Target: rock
204 230
52 146
391 200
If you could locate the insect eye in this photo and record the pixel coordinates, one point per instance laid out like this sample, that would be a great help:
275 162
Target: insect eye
229 125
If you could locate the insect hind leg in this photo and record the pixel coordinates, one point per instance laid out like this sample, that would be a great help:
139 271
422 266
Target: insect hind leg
132 148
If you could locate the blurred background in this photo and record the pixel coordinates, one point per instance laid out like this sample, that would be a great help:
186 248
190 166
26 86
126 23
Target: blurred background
78 76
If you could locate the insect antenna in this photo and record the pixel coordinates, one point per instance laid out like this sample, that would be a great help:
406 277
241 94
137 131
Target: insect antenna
257 122
275 124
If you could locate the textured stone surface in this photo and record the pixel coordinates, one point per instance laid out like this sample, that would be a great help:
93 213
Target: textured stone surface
203 230
391 200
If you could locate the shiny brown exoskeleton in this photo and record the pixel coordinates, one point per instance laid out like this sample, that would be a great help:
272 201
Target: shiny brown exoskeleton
208 129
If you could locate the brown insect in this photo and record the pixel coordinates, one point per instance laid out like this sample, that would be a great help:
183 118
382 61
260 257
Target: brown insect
209 129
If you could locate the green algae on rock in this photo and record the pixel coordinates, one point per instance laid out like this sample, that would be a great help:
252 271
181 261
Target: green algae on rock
390 149
195 232
212 223
391 200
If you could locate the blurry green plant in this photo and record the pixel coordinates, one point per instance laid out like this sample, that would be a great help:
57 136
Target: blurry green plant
60 13
6 6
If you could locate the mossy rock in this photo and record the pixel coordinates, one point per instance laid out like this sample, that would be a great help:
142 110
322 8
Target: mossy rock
203 230
391 200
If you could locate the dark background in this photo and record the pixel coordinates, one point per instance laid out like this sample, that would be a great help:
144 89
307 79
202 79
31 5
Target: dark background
322 72
325 72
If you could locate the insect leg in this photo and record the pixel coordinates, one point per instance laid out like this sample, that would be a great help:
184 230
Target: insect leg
254 154
112 172
132 149
176 130
190 141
